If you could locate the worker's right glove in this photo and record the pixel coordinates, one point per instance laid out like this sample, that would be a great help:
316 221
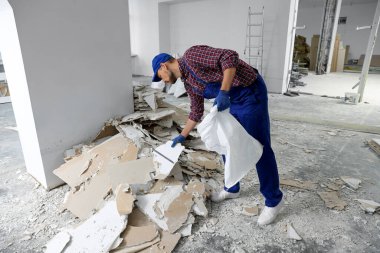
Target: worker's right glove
179 139
222 101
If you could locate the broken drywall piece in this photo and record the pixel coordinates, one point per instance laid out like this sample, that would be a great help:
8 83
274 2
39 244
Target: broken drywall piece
354 183
131 133
168 241
151 101
185 230
307 185
80 168
332 200
58 242
89 196
332 186
132 117
369 206
124 199
165 122
138 219
177 172
179 88
169 210
172 89
158 114
250 211
146 203
99 232
199 207
165 157
206 160
107 130
137 173
138 238
161 185
292 233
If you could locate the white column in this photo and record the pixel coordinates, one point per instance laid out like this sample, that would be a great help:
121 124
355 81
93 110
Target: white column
369 51
69 69
333 36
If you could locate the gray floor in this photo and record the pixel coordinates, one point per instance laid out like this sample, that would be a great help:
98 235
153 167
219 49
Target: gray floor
30 216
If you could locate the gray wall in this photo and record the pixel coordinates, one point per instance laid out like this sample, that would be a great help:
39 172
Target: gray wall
77 63
358 13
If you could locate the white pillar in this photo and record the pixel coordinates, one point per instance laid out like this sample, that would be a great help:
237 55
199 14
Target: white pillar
68 68
369 51
333 36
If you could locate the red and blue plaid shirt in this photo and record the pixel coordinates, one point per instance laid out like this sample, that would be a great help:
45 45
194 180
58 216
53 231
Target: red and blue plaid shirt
208 64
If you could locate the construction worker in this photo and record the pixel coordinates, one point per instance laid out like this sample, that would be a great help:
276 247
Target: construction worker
209 72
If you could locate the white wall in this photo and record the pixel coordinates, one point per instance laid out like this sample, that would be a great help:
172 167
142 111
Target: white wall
222 23
73 74
218 23
358 14
145 34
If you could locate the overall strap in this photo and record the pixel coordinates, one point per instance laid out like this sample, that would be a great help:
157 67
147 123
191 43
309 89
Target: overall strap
193 74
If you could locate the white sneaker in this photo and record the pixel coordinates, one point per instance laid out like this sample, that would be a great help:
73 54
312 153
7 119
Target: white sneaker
222 195
269 214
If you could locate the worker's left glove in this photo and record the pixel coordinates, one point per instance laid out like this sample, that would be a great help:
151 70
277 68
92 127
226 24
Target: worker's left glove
222 101
179 139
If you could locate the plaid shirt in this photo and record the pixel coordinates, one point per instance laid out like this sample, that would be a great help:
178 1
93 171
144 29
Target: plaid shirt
209 64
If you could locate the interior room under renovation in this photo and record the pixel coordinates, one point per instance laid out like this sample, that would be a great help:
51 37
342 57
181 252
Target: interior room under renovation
161 126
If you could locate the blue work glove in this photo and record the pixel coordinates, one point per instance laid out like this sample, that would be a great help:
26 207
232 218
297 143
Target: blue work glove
179 139
222 101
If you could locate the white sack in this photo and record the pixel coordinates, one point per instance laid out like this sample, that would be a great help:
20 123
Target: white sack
222 133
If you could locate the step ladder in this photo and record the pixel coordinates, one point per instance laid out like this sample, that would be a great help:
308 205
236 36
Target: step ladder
254 41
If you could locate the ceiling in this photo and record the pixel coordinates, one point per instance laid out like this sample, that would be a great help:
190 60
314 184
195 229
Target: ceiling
311 3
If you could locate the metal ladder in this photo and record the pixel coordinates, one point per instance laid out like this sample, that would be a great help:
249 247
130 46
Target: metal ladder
254 41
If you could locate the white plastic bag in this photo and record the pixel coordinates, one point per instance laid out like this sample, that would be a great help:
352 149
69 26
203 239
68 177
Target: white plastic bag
222 133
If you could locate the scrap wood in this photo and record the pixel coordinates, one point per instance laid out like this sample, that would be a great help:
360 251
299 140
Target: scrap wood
332 200
369 206
307 185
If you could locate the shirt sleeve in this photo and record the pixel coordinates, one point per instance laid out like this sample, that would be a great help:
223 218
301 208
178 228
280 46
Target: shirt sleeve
229 59
196 104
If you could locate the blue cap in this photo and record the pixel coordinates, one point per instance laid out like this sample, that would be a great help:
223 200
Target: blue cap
156 64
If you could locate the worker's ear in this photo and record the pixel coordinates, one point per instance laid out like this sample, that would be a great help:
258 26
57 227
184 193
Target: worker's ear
163 65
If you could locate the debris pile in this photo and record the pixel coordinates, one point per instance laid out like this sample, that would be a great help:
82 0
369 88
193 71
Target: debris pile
131 189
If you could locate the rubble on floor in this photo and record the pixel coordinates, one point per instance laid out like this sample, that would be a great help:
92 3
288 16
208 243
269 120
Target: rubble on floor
131 189
374 144
292 233
369 206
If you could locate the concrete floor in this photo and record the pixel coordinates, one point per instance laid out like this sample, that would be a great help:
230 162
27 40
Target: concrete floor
337 83
30 216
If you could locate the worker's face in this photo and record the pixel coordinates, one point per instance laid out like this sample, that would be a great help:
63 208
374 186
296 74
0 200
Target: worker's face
166 75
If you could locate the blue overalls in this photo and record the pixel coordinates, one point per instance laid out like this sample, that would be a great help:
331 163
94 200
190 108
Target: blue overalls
249 105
